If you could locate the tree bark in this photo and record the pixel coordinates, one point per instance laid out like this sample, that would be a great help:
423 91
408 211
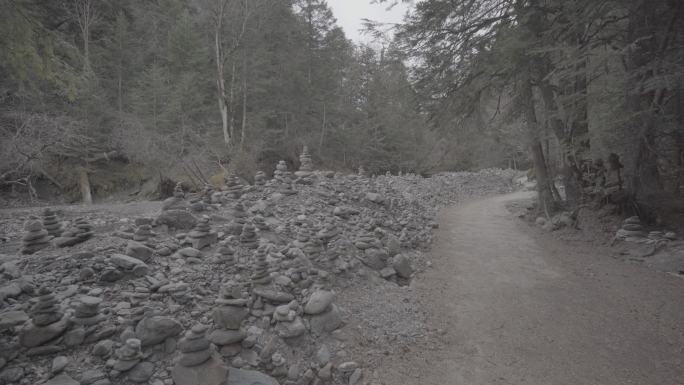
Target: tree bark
546 200
220 79
84 185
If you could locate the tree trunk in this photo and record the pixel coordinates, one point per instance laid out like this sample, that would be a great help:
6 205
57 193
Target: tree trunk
84 185
546 201
320 143
220 79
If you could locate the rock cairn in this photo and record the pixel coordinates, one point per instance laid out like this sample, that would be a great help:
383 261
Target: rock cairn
238 221
87 311
261 275
228 315
143 233
248 236
202 235
632 230
281 173
177 201
260 178
36 238
196 364
225 254
80 231
305 164
324 316
207 194
51 224
47 321
233 187
127 356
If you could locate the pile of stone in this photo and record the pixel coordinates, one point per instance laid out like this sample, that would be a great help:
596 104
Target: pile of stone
196 364
281 174
261 276
80 231
51 224
87 311
47 322
128 356
202 235
260 178
324 316
225 254
231 310
632 231
239 219
248 236
143 233
36 238
177 201
305 172
233 187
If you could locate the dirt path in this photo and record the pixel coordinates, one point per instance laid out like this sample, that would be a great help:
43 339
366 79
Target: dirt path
517 307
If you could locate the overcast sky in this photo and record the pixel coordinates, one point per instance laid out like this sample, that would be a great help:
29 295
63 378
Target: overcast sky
349 14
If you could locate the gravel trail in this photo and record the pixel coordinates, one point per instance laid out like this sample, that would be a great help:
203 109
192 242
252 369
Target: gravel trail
514 306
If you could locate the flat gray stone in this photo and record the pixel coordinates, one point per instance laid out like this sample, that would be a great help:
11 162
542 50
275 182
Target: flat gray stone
249 377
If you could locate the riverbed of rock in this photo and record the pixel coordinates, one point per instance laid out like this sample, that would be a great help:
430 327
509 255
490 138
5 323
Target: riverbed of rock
259 283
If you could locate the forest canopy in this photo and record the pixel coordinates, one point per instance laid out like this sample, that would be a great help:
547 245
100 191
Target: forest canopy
127 92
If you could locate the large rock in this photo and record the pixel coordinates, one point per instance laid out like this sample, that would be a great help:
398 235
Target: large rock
154 330
62 379
11 319
139 251
31 335
249 377
176 219
319 302
402 266
212 372
326 322
229 317
222 337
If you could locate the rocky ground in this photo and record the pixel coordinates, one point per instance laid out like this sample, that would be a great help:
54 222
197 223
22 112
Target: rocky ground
300 279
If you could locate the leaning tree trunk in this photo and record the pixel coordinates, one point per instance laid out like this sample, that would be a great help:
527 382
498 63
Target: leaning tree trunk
84 186
544 187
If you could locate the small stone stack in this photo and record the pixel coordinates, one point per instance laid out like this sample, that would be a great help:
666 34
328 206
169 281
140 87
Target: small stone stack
47 321
228 315
177 201
324 315
196 364
202 235
80 231
260 178
329 231
362 172
261 274
233 187
260 223
87 311
37 238
280 171
288 323
287 189
128 355
225 254
207 193
143 233
239 219
51 224
248 236
305 165
632 230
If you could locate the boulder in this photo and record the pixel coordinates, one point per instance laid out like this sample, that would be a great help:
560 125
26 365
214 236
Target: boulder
154 330
176 219
31 335
211 372
319 302
250 377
